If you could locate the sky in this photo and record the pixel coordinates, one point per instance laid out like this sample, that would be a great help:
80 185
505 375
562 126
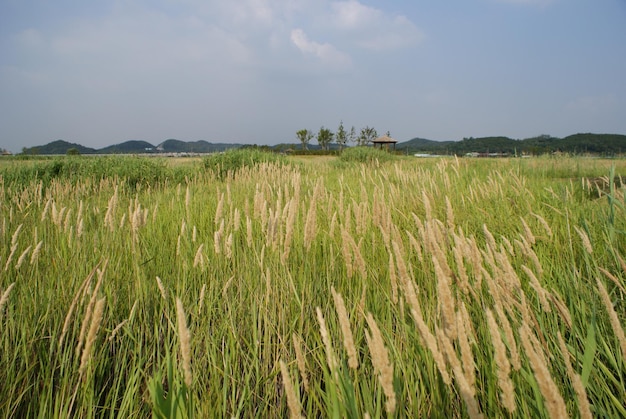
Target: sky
256 71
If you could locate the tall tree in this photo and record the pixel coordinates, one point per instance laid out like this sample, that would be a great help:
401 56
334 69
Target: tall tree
367 135
352 135
304 135
324 137
341 136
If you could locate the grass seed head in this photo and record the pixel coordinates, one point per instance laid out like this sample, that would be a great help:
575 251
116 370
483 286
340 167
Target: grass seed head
185 341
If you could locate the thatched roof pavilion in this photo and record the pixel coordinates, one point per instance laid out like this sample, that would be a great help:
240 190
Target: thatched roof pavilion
385 141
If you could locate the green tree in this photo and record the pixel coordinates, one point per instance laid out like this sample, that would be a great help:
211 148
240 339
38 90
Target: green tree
304 135
366 136
72 152
324 137
341 136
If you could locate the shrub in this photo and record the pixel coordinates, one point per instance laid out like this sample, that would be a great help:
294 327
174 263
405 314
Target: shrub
365 155
229 162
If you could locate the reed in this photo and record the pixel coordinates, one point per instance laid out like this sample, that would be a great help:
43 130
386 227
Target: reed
344 322
613 317
185 341
381 362
292 398
94 326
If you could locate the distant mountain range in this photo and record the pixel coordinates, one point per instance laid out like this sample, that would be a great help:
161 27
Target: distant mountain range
576 144
132 147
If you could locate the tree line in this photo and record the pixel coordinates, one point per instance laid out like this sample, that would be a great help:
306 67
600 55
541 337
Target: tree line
342 137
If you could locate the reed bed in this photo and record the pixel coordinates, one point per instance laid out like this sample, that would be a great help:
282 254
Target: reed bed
404 288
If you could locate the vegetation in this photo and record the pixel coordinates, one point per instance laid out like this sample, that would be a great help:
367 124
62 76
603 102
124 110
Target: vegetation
407 288
304 136
362 154
598 144
578 144
227 164
135 172
324 138
367 135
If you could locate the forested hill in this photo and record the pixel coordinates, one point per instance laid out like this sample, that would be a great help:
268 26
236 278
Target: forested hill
607 144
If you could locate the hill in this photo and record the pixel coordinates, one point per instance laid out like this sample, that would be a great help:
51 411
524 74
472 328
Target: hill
604 144
58 147
128 147
422 144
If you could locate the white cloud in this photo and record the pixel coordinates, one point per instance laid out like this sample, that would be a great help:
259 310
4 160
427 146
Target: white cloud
354 15
325 52
373 29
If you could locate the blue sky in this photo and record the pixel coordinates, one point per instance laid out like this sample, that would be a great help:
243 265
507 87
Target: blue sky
256 71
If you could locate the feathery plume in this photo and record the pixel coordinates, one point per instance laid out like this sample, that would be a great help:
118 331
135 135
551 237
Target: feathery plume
466 350
613 279
161 289
20 260
185 341
577 383
330 356
91 335
549 390
301 360
528 234
5 296
468 392
380 360
613 317
503 366
544 224
541 292
295 410
585 239
344 322
70 311
201 298
199 259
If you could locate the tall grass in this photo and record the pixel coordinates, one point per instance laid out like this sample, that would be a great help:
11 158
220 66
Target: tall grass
448 288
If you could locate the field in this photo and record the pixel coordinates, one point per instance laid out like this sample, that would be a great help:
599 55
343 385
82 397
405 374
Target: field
264 286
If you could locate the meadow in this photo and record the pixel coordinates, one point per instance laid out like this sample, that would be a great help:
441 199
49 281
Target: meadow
254 285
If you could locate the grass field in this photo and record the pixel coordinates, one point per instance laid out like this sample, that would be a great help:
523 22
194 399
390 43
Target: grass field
263 287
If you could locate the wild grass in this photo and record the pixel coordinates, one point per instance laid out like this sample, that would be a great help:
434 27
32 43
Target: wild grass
419 288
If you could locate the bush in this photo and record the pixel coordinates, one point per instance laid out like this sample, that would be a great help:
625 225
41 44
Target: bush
365 155
229 162
134 171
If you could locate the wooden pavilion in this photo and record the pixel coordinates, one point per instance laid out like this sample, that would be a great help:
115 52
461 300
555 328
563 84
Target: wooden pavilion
385 141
